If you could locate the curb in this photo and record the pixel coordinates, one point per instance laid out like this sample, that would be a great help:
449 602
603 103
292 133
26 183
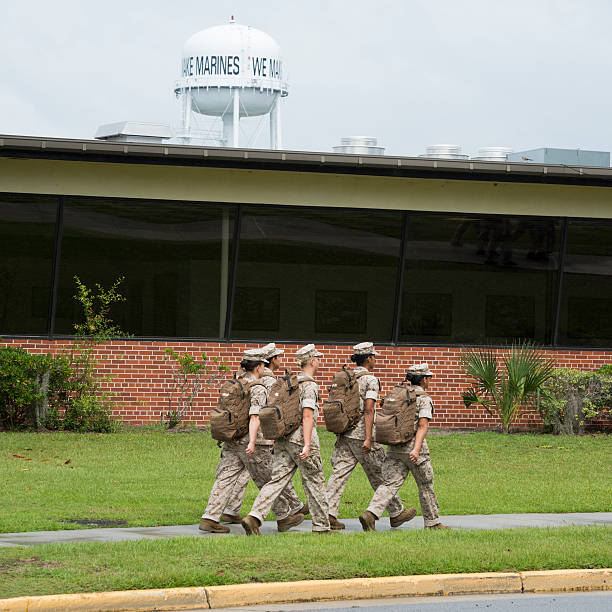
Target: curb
317 590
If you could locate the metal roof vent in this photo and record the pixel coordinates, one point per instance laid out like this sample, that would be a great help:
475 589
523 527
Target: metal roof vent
134 131
493 153
444 151
359 145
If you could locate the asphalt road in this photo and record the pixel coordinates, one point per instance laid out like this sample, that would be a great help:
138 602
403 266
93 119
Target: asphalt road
600 601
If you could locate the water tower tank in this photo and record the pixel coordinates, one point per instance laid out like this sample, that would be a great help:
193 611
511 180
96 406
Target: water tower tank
232 71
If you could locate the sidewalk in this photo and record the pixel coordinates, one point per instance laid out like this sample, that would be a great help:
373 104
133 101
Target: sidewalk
473 521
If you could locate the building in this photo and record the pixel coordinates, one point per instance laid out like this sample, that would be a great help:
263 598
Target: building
222 248
569 157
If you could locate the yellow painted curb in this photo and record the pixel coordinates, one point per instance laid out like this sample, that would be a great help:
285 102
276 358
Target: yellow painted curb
361 588
153 599
567 580
316 590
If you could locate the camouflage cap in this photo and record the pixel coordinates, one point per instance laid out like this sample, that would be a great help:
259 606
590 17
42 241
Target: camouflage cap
270 351
364 348
420 369
307 352
255 354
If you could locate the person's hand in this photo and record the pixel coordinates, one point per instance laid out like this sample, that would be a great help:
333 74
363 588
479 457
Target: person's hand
305 452
250 449
366 447
414 455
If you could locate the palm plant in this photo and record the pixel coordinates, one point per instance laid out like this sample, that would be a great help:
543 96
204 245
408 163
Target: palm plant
503 392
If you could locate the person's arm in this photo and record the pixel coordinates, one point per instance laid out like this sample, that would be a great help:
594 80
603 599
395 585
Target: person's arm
253 428
368 413
307 425
418 439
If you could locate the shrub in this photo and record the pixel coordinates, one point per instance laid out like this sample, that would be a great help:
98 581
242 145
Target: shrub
189 377
505 392
570 397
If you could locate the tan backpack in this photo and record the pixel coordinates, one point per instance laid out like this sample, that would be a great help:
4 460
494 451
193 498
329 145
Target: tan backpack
230 419
341 410
395 422
283 414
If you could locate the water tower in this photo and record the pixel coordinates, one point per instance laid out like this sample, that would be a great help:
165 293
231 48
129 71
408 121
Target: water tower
232 71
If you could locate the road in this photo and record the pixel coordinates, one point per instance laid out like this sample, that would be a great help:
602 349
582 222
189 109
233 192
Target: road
600 601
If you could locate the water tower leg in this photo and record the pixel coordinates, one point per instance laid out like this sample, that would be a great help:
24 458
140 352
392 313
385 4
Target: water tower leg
276 141
228 129
187 116
236 114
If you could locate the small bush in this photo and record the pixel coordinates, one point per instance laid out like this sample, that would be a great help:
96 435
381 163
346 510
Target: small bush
570 397
24 379
84 414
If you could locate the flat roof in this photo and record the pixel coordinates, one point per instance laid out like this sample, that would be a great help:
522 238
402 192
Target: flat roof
328 162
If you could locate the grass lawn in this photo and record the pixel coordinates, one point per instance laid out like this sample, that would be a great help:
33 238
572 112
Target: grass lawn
70 568
155 478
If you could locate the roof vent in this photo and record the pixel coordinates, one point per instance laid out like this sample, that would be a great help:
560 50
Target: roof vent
134 131
444 151
493 153
359 145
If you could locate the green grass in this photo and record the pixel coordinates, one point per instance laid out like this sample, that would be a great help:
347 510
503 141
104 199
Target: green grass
69 568
155 478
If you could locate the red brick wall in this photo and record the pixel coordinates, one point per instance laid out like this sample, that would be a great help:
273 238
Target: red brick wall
140 375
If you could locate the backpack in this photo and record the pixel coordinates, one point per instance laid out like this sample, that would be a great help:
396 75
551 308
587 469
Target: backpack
283 415
230 419
342 408
395 422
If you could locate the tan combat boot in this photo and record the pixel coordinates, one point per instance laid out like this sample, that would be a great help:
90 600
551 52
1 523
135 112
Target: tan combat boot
335 524
213 526
407 514
438 526
305 510
250 524
231 519
293 520
368 521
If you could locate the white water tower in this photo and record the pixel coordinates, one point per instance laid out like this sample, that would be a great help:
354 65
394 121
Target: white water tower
232 71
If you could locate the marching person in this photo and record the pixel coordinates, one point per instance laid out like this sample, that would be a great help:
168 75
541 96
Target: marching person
356 445
252 452
411 456
300 449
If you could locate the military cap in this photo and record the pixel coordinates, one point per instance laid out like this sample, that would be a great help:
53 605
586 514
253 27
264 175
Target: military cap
255 354
364 348
270 351
307 352
420 369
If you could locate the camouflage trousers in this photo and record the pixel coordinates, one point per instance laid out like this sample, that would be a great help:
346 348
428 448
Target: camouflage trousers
347 454
286 461
396 468
230 469
236 498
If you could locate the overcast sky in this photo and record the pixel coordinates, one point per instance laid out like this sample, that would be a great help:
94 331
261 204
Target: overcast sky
519 73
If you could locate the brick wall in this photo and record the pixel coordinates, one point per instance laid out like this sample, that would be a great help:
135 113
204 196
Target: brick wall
139 375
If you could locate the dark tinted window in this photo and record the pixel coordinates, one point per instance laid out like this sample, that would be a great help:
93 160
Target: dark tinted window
586 303
27 237
483 280
324 274
175 258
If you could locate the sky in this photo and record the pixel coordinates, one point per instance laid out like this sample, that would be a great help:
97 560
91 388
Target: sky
520 73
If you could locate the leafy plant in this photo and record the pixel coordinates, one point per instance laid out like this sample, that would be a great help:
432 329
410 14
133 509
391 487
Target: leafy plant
24 378
189 376
504 392
570 397
78 402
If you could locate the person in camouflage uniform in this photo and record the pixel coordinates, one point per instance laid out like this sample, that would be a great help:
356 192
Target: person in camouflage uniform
409 457
272 354
300 449
356 445
251 451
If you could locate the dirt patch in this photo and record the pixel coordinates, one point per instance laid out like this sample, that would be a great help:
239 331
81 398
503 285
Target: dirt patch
21 565
95 522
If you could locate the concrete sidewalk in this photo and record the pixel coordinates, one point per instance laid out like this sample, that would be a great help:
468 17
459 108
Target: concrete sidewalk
473 521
